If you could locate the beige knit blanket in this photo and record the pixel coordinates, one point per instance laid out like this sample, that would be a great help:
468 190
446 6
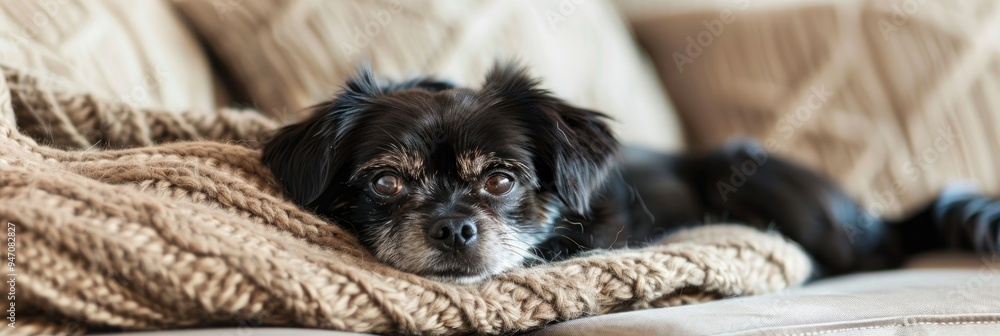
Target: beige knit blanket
198 233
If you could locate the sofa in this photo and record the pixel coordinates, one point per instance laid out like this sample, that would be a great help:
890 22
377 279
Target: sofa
894 100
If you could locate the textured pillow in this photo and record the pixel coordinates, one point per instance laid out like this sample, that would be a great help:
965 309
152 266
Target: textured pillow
292 54
894 99
133 52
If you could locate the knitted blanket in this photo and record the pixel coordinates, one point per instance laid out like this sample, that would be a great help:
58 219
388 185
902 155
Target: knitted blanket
198 233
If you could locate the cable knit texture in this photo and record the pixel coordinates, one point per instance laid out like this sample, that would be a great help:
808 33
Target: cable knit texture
59 117
198 233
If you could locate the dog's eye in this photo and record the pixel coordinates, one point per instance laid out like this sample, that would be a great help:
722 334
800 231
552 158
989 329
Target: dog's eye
388 185
499 184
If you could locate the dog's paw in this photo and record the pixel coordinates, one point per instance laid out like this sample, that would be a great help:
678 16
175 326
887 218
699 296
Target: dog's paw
969 220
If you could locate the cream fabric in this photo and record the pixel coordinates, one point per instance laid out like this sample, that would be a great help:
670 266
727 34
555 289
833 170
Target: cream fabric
134 52
915 302
293 54
894 99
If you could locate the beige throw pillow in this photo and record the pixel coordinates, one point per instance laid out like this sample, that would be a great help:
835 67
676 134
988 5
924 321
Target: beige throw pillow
134 52
287 55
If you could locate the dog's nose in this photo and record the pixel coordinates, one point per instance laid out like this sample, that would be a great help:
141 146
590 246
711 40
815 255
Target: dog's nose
452 234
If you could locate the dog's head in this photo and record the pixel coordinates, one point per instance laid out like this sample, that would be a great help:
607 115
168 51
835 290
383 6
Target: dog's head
446 182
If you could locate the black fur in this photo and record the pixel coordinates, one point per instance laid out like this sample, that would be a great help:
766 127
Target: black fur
573 190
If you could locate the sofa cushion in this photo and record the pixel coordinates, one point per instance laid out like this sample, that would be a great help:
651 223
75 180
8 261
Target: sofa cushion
906 302
894 99
287 55
134 52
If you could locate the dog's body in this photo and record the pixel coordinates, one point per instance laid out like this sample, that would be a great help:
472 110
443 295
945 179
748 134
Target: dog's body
459 184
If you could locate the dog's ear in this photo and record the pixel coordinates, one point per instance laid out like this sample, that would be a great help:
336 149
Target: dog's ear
574 148
584 151
306 156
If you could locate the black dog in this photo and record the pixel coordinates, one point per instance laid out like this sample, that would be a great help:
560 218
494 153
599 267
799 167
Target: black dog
457 184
